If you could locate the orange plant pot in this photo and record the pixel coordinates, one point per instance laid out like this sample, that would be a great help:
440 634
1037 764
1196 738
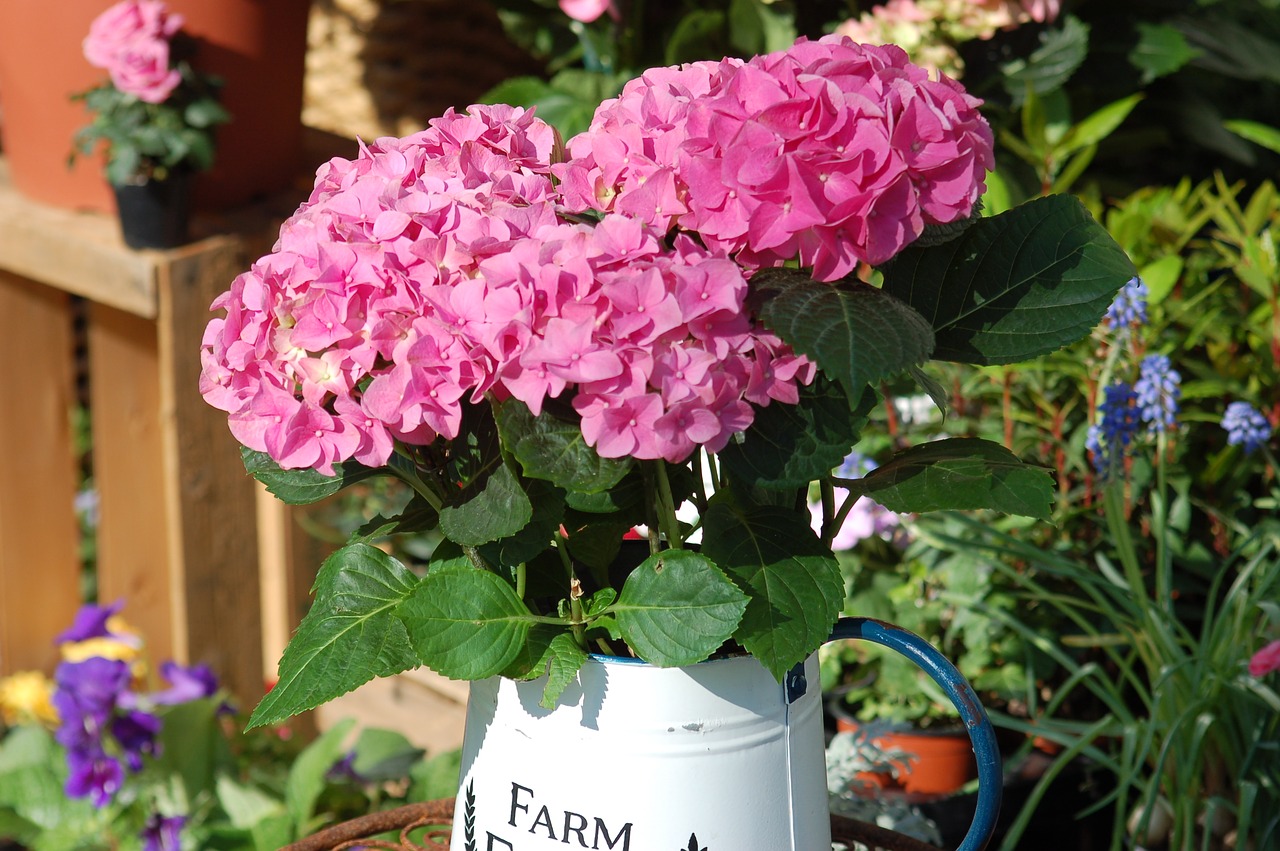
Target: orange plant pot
257 47
936 762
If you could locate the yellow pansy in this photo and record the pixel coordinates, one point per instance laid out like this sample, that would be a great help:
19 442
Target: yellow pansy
27 698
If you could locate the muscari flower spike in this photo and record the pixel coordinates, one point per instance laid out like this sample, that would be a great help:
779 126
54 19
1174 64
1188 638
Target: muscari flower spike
1157 391
1246 427
1130 305
1109 438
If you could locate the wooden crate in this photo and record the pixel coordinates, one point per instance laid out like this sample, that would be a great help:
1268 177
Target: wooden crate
212 568
178 534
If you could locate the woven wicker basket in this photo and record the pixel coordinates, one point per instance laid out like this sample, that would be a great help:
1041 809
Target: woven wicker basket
426 827
386 67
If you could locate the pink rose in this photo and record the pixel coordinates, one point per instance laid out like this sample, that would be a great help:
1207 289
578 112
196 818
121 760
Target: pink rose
142 70
131 41
122 24
588 10
1265 660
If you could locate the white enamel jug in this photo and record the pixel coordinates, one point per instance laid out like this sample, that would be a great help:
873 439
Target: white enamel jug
716 756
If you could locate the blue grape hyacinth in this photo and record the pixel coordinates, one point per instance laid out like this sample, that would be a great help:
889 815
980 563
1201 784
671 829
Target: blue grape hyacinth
1130 305
1109 438
1158 390
1246 426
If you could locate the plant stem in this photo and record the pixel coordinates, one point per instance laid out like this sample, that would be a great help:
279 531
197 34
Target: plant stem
829 525
477 560
577 619
666 507
1159 523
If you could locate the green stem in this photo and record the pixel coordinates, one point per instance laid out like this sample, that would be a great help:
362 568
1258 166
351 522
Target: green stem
407 471
577 617
1159 524
829 525
522 579
666 507
477 560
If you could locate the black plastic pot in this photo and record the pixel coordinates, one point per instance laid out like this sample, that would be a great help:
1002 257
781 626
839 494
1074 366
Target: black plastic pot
155 213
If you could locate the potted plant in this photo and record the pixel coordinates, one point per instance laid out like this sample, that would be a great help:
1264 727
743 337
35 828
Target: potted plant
555 345
155 118
896 575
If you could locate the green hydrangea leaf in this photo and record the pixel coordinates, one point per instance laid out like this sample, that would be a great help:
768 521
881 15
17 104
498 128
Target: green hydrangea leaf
678 608
1015 286
547 506
552 448
531 662
794 582
789 446
465 623
855 333
494 508
302 487
960 474
563 660
349 636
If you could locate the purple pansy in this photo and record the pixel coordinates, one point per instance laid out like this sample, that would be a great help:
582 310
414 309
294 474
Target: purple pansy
185 684
93 774
90 622
163 833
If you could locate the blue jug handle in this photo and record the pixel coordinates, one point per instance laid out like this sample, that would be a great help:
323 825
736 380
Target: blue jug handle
981 734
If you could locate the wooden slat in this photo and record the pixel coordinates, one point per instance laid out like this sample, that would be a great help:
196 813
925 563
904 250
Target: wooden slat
39 563
79 253
133 545
211 512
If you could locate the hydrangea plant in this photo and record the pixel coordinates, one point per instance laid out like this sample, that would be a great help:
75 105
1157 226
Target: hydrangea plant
695 301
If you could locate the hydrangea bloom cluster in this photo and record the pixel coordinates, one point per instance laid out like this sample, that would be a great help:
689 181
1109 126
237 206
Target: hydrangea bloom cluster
1110 437
448 267
130 41
830 151
1246 427
434 270
103 722
1157 391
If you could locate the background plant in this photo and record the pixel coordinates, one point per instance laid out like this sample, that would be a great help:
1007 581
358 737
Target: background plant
100 758
156 115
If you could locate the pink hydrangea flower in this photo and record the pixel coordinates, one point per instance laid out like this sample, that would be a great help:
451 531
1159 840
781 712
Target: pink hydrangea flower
441 269
833 152
434 270
130 40
1265 660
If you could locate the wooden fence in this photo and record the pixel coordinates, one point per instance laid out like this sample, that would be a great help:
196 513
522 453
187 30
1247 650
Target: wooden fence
202 557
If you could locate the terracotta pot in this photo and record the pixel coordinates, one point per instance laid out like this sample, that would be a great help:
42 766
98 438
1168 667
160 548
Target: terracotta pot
257 47
938 762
